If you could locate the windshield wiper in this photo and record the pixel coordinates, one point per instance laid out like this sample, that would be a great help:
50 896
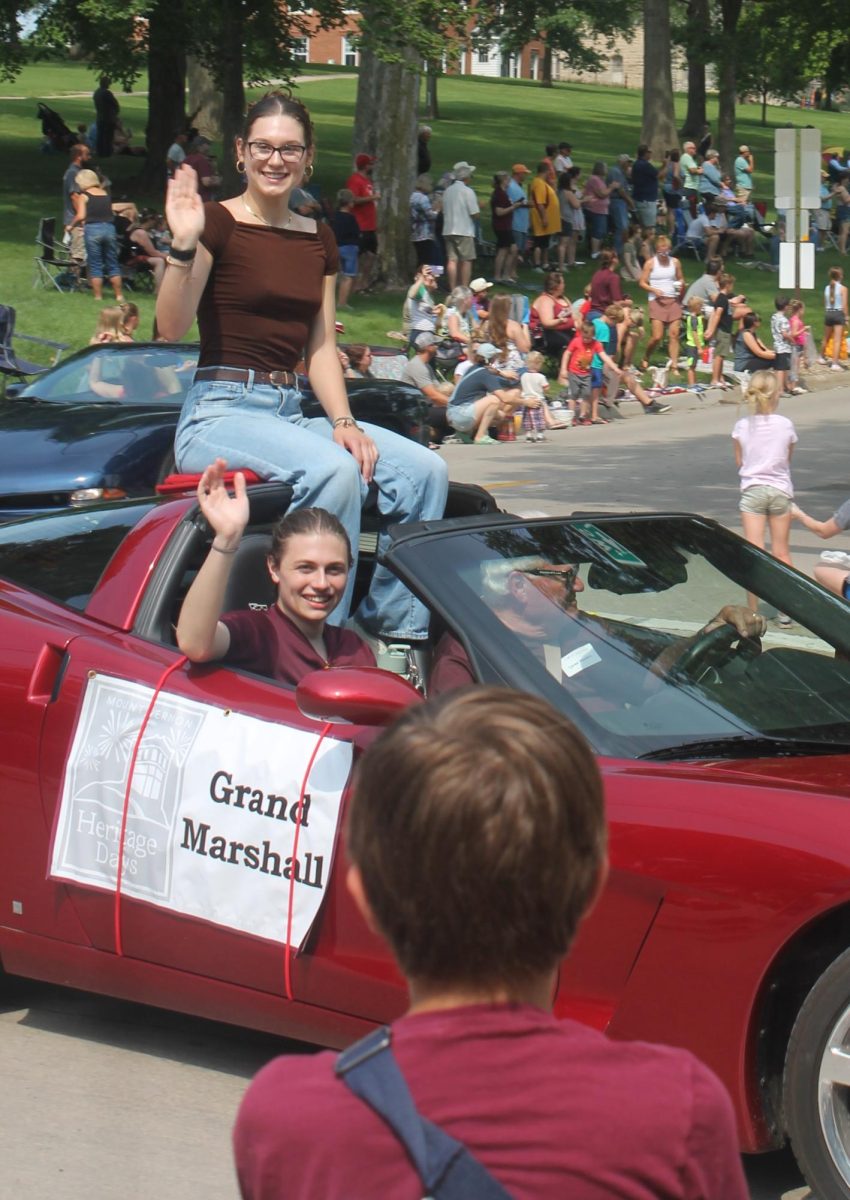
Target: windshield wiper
744 746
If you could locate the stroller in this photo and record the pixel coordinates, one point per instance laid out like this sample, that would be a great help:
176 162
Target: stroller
54 128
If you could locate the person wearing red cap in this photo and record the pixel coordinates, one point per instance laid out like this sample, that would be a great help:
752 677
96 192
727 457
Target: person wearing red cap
366 216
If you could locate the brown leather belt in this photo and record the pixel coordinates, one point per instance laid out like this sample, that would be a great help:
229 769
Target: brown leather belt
243 375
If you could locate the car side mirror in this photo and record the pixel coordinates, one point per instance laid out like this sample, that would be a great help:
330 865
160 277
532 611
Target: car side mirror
355 696
13 390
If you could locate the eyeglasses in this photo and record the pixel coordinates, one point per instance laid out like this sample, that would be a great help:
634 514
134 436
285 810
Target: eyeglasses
566 574
262 151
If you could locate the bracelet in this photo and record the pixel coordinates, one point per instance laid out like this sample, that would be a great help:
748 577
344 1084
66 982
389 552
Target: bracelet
171 261
345 423
183 256
213 546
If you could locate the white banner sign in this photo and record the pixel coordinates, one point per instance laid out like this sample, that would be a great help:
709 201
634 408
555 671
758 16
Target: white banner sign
213 810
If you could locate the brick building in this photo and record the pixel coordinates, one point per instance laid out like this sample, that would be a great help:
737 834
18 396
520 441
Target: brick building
623 61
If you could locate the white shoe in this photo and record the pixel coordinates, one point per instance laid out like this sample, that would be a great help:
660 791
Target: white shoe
530 437
835 367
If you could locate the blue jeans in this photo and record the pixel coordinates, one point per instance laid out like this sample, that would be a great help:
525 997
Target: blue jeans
261 427
618 211
101 250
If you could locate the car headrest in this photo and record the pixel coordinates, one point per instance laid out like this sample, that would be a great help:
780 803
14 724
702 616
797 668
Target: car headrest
250 585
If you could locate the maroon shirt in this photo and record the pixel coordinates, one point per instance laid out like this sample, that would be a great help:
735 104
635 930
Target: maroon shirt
552 1109
266 642
605 289
265 288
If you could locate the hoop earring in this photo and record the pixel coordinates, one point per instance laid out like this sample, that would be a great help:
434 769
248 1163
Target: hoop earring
308 176
240 166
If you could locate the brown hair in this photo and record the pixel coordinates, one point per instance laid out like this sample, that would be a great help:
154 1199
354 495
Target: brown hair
551 280
497 321
606 257
356 354
279 103
477 825
615 312
309 521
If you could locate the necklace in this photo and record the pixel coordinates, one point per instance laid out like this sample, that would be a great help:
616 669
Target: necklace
259 216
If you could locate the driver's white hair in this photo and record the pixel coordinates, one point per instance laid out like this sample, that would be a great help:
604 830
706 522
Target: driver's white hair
496 572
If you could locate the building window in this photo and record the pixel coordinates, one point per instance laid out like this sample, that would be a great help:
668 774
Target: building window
483 54
300 49
618 77
350 54
533 65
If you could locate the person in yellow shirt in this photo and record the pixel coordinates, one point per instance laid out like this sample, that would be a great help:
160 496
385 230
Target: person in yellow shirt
545 215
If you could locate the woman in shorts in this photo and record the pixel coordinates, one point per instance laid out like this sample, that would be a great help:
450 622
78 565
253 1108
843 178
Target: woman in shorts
662 279
835 314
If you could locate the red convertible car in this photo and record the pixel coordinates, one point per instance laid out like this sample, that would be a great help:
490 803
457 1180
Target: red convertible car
170 833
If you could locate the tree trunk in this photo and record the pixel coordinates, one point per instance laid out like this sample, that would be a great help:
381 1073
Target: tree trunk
166 89
229 79
368 103
432 106
727 77
658 129
385 124
546 65
205 100
698 24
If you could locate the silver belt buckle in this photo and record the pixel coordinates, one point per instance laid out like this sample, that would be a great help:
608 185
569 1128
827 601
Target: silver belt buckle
280 378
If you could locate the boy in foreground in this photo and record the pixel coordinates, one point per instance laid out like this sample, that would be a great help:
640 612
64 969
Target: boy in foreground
476 837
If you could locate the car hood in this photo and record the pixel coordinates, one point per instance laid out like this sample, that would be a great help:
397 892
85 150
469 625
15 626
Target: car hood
826 775
53 437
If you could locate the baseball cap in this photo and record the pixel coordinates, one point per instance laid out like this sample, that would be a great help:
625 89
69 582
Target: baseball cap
487 351
424 340
520 169
743 149
480 284
462 170
624 158
364 160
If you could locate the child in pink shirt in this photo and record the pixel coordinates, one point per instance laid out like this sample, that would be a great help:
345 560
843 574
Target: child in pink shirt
764 442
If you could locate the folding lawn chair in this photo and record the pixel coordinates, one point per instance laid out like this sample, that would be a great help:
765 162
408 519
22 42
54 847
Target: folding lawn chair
55 267
10 364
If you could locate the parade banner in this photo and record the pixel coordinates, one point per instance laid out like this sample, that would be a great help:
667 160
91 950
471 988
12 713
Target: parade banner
213 810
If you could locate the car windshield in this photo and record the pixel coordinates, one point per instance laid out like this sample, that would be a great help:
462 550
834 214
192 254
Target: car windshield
140 374
634 622
64 555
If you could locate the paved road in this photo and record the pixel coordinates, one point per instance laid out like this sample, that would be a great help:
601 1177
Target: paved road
111 1101
679 461
107 1100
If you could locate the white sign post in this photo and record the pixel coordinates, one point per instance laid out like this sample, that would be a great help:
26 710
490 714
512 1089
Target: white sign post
797 181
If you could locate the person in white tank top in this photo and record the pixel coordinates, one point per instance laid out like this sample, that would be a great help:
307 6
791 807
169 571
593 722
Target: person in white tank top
662 279
835 316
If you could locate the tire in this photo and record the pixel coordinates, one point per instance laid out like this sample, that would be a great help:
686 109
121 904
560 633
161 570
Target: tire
816 1084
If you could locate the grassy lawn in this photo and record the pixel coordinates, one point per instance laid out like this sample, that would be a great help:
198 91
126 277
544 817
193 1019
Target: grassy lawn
490 123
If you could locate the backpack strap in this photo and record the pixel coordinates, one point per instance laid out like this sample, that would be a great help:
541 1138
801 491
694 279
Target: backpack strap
447 1169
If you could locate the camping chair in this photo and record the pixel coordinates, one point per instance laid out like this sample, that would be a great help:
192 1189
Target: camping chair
10 364
55 267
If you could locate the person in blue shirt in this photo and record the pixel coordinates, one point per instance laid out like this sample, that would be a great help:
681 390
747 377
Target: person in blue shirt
520 219
711 181
645 188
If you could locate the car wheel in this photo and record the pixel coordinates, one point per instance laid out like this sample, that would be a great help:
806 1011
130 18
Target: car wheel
816 1084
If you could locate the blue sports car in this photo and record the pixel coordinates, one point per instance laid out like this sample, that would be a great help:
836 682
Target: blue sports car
100 425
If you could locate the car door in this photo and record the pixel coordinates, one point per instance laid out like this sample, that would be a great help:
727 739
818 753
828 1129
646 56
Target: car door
201 778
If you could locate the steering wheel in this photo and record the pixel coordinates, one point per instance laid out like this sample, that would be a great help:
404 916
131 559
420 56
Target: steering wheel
711 649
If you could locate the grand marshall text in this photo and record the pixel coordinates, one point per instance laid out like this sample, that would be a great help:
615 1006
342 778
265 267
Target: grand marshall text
199 838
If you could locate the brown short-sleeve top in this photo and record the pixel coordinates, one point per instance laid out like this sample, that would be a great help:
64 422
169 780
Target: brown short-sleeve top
265 288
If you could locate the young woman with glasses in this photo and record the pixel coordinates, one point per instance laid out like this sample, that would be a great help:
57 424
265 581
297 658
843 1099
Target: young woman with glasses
261 280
